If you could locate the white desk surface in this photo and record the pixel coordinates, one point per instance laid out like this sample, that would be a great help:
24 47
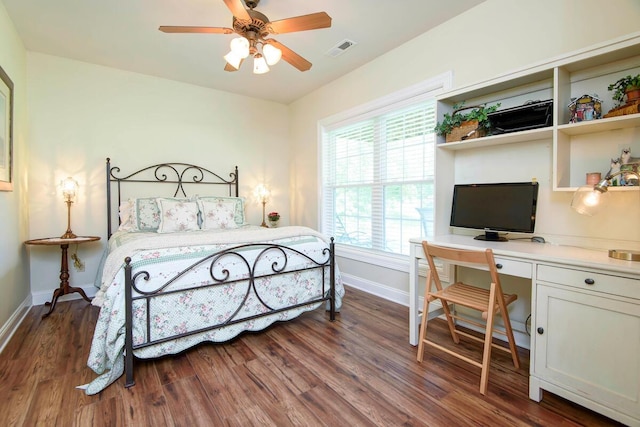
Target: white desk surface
539 252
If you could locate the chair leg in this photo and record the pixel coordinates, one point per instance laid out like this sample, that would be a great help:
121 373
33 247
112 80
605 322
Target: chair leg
488 337
423 326
509 332
452 326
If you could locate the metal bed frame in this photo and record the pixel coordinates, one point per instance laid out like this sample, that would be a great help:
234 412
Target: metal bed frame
180 176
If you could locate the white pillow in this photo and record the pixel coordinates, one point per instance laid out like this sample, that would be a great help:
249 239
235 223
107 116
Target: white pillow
217 215
127 220
177 215
238 205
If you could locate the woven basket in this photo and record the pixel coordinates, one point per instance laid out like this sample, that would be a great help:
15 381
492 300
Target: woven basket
467 130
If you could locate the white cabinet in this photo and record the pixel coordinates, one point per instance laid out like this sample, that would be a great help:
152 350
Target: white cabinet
587 340
578 148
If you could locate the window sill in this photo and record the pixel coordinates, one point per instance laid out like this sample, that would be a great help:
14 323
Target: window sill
383 259
391 261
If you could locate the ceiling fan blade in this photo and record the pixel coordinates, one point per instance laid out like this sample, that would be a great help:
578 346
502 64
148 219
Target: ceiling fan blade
229 67
301 23
290 56
237 9
211 30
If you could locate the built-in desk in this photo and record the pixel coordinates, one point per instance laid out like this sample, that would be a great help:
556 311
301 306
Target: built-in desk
585 317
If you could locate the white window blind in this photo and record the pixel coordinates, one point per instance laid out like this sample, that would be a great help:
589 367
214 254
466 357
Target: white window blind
377 177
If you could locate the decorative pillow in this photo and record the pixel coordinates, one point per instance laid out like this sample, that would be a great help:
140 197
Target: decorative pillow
177 215
127 222
216 215
238 202
147 214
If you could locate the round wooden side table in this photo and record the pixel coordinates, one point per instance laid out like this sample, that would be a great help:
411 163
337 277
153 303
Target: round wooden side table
64 288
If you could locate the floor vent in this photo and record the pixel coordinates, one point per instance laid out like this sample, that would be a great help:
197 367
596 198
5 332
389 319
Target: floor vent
340 48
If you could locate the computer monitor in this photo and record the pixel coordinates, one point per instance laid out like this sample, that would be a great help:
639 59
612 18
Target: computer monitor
507 207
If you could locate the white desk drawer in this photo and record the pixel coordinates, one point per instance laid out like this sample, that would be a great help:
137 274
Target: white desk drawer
514 268
598 282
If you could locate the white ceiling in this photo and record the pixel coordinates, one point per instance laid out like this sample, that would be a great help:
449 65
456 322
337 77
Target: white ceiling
124 34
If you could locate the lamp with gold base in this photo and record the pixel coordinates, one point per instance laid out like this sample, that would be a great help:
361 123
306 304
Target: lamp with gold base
262 194
590 200
69 190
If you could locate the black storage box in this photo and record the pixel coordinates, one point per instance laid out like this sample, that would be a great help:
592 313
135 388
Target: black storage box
532 115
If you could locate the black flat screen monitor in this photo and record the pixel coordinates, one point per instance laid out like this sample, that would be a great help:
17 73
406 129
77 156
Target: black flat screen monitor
508 207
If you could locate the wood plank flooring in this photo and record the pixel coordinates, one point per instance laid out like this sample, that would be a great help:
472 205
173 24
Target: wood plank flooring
357 371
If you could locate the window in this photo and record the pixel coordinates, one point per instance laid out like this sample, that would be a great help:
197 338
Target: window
377 174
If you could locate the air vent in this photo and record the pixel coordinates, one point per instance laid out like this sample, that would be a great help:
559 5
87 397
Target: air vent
340 48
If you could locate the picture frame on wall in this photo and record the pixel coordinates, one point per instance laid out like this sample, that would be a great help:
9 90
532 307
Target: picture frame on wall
6 132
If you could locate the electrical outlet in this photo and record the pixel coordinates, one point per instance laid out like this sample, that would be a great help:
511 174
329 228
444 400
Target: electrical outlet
77 264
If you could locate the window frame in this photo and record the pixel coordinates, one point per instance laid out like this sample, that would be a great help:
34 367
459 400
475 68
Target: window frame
423 91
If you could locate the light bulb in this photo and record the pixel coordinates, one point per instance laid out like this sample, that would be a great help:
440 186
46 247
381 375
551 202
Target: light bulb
259 64
240 46
233 59
271 53
69 188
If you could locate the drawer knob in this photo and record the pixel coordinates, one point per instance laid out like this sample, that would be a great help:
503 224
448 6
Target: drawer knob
589 281
540 330
498 266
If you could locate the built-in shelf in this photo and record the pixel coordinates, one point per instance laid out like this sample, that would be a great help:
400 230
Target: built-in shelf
578 148
602 125
505 138
613 189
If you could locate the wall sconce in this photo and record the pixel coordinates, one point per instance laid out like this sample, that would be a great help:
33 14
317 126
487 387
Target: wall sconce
262 194
69 188
590 200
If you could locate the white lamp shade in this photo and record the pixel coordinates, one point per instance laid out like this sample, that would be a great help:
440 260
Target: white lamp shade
259 64
589 201
272 54
233 59
240 46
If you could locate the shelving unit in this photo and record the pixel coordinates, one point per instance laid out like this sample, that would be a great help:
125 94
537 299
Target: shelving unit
561 290
578 148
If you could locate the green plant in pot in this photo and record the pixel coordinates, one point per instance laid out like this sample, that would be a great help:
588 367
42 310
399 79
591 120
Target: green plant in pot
625 87
460 116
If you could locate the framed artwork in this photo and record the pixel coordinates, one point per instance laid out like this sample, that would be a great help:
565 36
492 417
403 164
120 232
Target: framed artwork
6 132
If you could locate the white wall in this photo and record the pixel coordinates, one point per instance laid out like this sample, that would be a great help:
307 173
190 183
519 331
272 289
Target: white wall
492 39
14 271
80 113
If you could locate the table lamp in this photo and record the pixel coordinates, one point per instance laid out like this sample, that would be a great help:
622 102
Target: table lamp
262 194
69 190
590 200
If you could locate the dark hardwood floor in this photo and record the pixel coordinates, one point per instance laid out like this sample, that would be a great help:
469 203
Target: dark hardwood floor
357 371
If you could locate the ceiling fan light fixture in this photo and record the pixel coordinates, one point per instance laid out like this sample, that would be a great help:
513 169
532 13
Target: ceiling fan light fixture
259 64
271 54
233 59
240 46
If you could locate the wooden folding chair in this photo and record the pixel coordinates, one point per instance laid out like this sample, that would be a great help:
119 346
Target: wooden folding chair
487 301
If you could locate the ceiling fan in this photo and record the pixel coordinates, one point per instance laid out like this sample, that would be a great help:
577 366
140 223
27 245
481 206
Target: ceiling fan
253 28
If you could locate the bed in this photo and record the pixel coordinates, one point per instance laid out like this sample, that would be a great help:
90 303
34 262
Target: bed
182 267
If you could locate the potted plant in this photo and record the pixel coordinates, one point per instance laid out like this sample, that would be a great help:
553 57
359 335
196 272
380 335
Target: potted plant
274 217
472 124
628 86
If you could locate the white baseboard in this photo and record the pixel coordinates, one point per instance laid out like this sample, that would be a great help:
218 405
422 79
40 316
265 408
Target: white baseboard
9 328
41 297
377 289
523 340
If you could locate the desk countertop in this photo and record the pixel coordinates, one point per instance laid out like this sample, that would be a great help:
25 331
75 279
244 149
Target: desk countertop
542 252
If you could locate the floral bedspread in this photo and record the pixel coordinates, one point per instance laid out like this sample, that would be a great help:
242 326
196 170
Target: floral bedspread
188 309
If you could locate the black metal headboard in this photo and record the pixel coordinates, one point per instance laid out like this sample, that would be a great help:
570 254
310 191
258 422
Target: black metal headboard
177 175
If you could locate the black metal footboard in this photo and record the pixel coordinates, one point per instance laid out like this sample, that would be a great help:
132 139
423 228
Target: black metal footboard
220 277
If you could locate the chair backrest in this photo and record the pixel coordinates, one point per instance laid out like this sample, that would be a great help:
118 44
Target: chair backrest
460 257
